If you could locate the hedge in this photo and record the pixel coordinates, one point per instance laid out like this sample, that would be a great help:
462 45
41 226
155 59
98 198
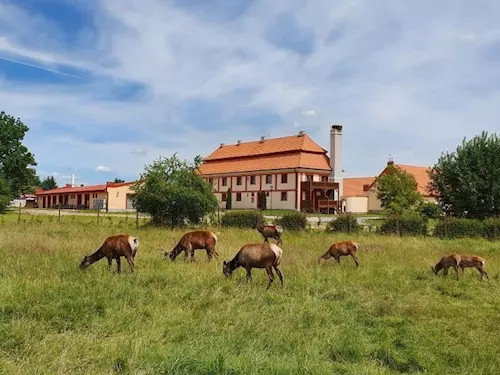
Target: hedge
344 223
241 219
492 228
459 228
405 225
293 221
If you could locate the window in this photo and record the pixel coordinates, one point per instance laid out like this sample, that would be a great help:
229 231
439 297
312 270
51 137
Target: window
211 181
252 180
238 197
224 181
269 179
309 177
238 180
283 195
284 178
324 178
224 197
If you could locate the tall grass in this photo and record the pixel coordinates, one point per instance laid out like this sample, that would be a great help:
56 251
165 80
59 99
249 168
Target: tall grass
389 316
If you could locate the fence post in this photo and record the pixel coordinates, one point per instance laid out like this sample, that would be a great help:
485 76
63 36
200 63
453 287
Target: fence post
19 214
137 219
59 213
98 211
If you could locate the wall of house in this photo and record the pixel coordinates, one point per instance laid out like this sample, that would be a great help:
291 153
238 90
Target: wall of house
274 201
356 204
117 197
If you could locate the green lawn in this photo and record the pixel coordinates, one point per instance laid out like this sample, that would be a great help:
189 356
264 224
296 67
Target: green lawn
389 316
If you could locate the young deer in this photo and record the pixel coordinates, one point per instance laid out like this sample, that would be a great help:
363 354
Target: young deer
256 255
339 249
114 247
270 231
463 261
190 241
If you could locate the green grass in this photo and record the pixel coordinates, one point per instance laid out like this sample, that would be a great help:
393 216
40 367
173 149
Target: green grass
389 316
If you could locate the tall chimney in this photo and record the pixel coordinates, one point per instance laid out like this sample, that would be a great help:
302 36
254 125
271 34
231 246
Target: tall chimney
336 156
72 180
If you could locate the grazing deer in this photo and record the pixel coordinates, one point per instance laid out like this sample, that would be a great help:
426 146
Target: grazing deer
339 249
256 255
270 231
191 241
463 261
114 247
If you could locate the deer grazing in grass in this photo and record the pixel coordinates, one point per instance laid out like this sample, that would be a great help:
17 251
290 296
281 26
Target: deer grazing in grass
270 231
191 241
256 255
463 261
114 247
339 249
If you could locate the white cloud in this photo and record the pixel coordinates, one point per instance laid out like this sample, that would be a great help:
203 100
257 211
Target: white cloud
401 78
102 168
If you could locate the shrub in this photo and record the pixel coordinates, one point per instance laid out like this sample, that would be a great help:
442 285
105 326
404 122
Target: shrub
407 224
344 223
262 200
431 210
241 219
229 199
491 228
293 221
459 228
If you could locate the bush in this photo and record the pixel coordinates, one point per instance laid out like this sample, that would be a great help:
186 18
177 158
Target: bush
491 228
241 219
262 200
408 224
229 199
293 221
344 223
459 228
431 210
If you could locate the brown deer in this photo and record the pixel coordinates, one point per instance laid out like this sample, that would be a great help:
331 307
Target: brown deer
191 241
270 231
256 255
339 249
114 247
463 261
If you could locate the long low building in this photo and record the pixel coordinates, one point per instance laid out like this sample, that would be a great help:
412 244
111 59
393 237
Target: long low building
110 196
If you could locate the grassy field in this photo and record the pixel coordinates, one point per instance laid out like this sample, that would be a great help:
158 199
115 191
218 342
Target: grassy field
389 316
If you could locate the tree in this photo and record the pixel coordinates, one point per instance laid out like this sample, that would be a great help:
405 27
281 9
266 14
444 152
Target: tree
397 190
48 183
466 180
229 199
173 194
118 180
16 162
5 195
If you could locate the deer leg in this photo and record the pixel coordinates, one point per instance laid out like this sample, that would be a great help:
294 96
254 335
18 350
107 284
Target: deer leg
130 262
337 257
456 270
110 260
356 260
118 265
249 274
445 271
209 253
271 276
279 274
483 273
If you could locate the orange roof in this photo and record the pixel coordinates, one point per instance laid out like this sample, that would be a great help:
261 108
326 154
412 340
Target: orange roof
353 186
295 143
82 189
420 174
271 154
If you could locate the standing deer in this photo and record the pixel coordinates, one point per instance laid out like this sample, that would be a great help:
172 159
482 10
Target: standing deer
191 241
256 255
463 261
114 247
339 249
270 231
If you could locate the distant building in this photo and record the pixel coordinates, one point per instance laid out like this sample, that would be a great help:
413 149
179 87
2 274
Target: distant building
25 200
294 172
111 196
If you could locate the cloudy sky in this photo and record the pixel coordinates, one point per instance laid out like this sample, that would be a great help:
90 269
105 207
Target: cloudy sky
106 86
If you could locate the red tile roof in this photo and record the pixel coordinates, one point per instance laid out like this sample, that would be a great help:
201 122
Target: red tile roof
271 154
82 189
353 186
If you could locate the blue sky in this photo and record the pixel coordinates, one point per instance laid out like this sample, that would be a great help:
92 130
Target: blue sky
106 86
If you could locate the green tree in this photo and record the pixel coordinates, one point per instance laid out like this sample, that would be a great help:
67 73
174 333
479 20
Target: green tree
397 190
5 195
118 180
229 199
48 183
16 162
467 180
173 194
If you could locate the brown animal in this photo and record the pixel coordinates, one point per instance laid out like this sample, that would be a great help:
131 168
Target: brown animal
339 249
256 255
191 241
270 231
463 261
114 247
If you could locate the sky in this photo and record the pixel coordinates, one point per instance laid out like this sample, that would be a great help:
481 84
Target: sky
107 86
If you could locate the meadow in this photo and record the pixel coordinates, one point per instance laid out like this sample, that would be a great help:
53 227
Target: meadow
389 316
